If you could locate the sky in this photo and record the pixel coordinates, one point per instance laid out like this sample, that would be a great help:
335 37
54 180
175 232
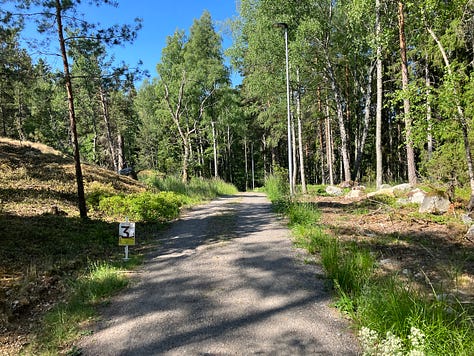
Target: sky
161 18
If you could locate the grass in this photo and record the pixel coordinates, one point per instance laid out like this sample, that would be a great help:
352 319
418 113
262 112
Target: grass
64 322
393 317
196 190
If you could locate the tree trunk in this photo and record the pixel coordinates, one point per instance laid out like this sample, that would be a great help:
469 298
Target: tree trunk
365 128
329 147
340 119
72 115
406 101
300 136
214 147
120 155
246 164
378 110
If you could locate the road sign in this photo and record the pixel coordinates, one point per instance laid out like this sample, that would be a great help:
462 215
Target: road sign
127 234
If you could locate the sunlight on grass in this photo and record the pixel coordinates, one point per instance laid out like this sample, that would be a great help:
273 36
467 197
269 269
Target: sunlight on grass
393 318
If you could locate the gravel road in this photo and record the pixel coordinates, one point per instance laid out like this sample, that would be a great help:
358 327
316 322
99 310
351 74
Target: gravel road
226 280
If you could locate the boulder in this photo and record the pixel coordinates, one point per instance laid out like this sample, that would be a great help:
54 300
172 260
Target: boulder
435 204
416 196
402 188
355 193
334 191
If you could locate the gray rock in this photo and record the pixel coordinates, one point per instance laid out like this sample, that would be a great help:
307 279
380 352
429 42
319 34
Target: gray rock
470 233
435 204
355 193
333 190
416 196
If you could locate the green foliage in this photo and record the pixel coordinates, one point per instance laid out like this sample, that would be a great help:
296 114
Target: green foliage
276 185
393 317
97 191
163 206
319 190
62 323
196 190
305 214
389 306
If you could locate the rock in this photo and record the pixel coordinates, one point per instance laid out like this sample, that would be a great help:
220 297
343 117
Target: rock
347 184
435 204
416 196
470 233
355 193
403 201
385 186
402 188
334 191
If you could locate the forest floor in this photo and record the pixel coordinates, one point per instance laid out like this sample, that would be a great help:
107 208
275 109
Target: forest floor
429 251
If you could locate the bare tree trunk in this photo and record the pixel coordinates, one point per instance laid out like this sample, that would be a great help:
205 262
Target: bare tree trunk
329 147
300 136
214 147
293 153
406 101
72 115
340 119
461 118
365 128
246 164
378 110
120 155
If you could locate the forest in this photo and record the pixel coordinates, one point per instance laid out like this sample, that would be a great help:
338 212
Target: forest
376 92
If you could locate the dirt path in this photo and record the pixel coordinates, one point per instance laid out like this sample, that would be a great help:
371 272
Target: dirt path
225 281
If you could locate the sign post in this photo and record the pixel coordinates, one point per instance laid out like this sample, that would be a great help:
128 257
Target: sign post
126 235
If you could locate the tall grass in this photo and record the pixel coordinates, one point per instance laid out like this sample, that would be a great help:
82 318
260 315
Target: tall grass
197 189
394 319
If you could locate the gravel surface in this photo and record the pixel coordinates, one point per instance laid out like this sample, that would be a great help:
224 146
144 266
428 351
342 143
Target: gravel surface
225 281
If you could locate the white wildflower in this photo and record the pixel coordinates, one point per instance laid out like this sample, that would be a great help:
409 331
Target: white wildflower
369 340
391 345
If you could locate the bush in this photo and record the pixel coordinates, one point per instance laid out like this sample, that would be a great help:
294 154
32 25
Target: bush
163 206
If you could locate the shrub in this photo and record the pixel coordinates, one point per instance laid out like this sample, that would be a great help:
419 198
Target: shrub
162 206
96 191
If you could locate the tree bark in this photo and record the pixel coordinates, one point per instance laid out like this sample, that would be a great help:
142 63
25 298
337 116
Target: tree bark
340 118
72 115
329 146
378 109
214 148
411 167
365 128
300 136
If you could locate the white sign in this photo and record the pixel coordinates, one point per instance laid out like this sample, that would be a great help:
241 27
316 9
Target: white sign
126 234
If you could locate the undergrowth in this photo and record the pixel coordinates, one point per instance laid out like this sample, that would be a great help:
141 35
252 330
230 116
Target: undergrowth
393 318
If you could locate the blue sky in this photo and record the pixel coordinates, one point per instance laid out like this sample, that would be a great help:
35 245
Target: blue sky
161 18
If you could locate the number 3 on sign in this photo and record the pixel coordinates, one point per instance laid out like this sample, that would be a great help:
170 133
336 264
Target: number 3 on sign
127 233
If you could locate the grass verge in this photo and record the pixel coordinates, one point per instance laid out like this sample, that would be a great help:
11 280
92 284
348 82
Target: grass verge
392 317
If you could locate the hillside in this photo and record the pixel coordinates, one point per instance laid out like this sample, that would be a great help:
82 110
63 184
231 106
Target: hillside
44 243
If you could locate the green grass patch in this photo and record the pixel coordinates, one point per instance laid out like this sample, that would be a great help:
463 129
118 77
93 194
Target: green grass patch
62 324
393 318
195 191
